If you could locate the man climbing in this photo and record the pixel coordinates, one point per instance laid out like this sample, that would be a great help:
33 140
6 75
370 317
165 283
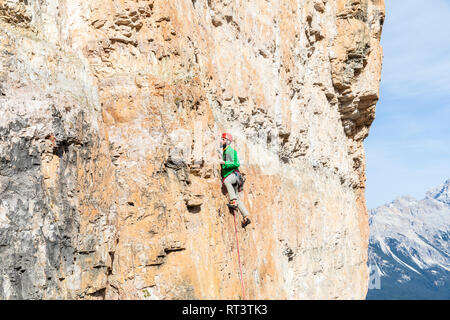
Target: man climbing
230 174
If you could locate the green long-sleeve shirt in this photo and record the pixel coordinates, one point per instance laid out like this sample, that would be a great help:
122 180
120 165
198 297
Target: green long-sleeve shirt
231 161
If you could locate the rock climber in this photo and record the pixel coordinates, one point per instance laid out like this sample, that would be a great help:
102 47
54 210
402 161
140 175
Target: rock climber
231 176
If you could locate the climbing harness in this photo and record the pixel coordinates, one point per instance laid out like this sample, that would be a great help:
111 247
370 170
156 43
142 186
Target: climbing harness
239 256
240 179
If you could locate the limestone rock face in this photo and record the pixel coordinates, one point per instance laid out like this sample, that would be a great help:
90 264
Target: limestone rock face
110 117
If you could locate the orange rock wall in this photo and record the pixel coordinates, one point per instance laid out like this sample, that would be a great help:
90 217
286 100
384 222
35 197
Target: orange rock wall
122 102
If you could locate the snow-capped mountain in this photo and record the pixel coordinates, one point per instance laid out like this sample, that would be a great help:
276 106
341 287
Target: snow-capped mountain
409 248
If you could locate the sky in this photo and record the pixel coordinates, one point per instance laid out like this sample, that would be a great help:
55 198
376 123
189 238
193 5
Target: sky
408 148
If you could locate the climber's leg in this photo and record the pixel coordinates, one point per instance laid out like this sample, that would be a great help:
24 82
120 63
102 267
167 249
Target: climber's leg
231 185
241 207
228 182
245 219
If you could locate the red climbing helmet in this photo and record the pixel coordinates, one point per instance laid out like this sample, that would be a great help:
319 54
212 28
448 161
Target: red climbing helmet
227 136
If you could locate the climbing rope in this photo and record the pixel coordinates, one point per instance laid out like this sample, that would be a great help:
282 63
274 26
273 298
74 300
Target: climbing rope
239 256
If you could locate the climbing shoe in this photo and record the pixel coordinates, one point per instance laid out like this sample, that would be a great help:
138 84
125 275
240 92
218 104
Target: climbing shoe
232 205
245 222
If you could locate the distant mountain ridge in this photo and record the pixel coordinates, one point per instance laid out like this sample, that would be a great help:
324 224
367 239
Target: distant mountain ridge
409 252
441 193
